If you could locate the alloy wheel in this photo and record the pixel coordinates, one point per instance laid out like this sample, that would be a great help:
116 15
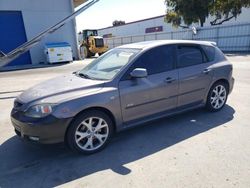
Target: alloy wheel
218 97
91 133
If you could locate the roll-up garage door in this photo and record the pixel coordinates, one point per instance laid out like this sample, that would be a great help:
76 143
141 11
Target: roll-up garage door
12 35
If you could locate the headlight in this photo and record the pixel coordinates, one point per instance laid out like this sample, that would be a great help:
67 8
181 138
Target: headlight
40 110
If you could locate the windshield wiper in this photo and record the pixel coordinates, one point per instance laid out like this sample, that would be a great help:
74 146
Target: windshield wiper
82 75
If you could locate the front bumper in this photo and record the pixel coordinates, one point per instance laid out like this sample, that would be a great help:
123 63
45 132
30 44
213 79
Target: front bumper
47 130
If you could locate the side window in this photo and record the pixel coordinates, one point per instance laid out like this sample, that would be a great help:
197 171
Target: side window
156 60
210 52
188 56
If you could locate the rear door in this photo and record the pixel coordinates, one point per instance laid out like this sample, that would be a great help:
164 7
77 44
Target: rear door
195 74
157 92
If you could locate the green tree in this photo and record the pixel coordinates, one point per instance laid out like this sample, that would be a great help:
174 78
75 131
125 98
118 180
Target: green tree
194 11
225 10
191 11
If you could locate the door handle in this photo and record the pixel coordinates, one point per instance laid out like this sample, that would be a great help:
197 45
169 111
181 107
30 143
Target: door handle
206 71
169 80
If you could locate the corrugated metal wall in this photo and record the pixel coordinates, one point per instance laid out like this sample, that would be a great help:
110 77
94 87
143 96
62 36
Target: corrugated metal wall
229 38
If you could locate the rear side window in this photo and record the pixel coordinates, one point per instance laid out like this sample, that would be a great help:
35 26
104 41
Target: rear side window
189 55
157 60
210 52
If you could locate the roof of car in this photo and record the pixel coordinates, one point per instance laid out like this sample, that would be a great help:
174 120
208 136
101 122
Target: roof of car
149 44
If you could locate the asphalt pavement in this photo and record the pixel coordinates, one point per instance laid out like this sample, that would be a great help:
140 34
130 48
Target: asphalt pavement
194 149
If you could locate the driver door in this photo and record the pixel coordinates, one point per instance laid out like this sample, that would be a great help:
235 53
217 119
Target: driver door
143 97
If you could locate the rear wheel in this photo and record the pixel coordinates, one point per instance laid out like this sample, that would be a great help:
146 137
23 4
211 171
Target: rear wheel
217 97
90 132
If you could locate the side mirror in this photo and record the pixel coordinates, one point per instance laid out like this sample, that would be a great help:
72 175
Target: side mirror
139 73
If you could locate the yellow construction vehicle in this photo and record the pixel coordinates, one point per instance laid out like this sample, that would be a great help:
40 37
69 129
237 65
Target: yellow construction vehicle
91 43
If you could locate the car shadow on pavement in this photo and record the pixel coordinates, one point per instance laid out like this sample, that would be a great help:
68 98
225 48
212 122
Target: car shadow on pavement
32 165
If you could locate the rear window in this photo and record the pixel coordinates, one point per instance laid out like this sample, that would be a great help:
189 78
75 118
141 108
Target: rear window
189 55
210 52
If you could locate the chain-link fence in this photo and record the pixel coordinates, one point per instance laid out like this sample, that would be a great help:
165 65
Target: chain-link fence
229 38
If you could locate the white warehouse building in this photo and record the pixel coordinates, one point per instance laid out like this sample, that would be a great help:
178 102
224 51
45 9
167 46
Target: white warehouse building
157 24
21 20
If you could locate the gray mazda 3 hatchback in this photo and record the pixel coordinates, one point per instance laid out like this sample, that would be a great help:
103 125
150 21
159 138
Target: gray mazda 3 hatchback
127 86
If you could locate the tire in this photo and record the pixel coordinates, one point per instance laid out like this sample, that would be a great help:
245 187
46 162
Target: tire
217 96
82 56
85 137
84 52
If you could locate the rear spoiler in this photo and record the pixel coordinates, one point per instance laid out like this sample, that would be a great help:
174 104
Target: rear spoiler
213 43
7 58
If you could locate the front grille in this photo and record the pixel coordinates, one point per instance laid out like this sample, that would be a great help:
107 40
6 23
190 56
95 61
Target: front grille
99 43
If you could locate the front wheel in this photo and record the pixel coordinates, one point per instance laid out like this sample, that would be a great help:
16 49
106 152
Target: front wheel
84 52
217 97
90 132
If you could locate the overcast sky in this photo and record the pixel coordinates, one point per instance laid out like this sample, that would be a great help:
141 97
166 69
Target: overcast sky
103 13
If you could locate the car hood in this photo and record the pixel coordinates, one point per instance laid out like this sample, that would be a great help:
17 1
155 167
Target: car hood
60 89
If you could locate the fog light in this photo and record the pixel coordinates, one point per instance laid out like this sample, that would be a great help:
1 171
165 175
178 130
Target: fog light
34 138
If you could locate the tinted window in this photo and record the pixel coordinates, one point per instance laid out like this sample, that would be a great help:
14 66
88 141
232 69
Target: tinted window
156 60
189 55
210 52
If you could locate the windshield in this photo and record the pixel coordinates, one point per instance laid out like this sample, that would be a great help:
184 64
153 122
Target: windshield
92 33
109 64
